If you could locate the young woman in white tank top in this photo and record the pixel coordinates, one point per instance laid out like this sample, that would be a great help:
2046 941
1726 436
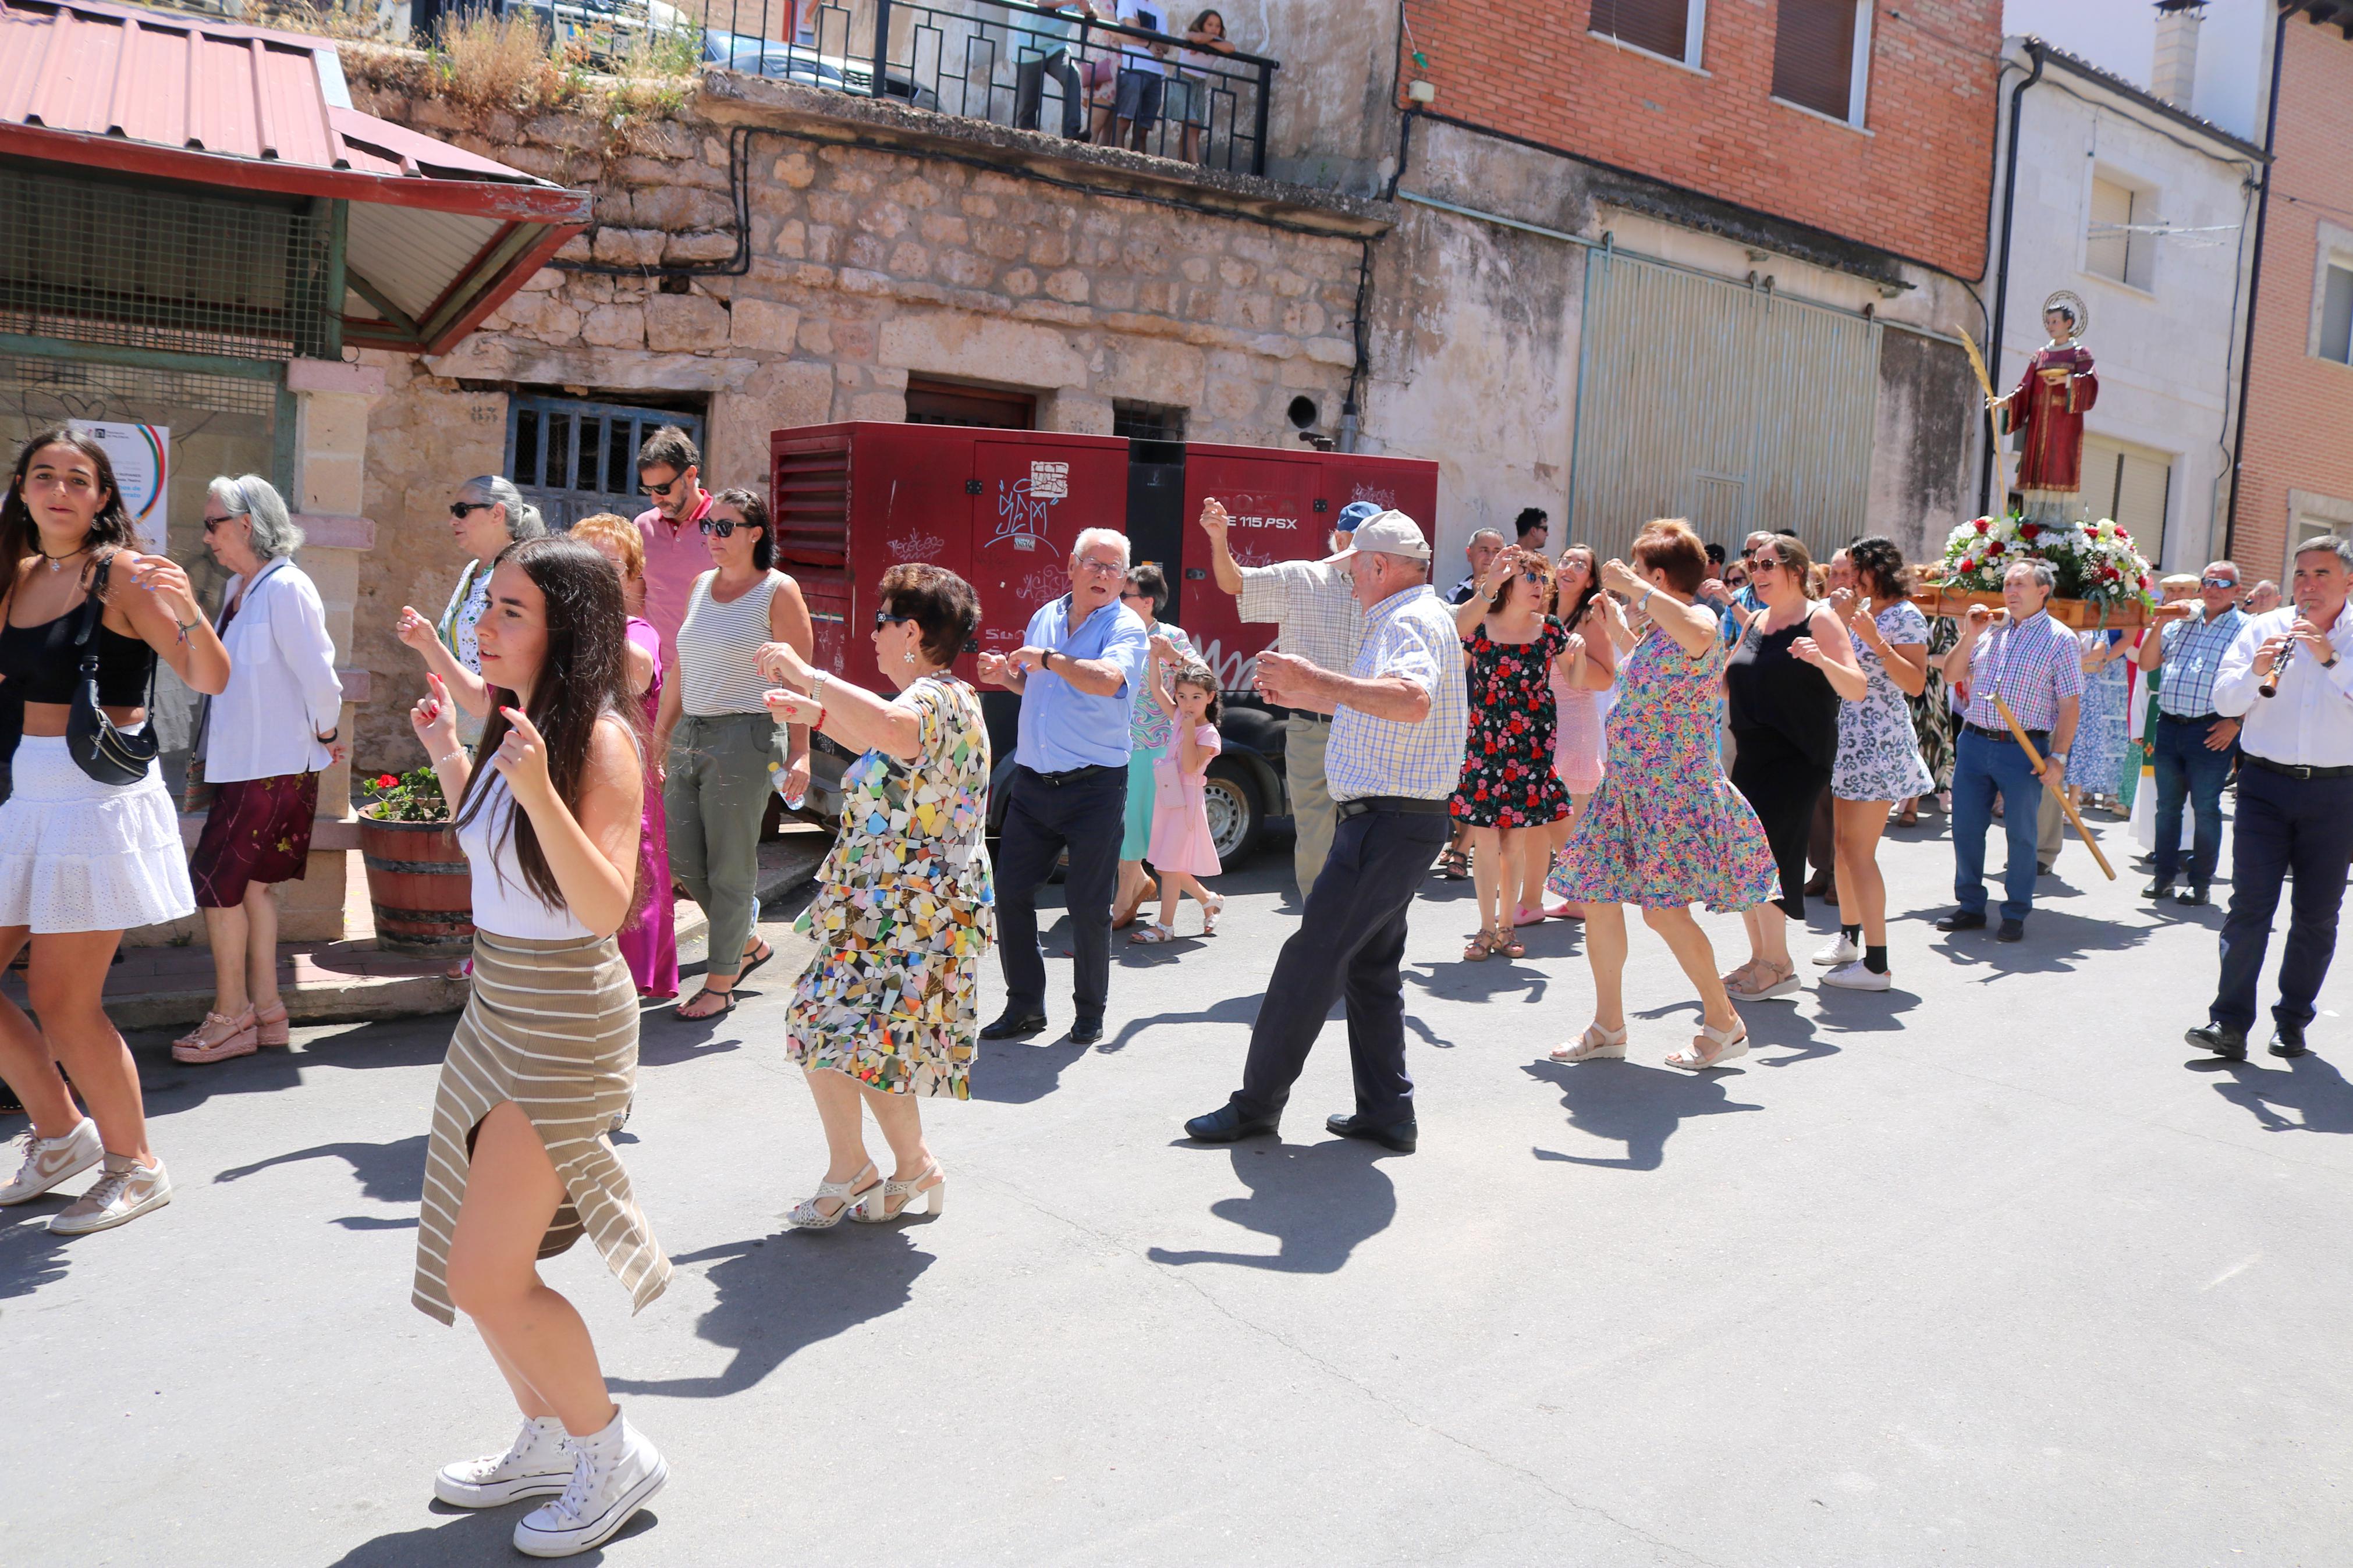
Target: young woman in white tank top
721 751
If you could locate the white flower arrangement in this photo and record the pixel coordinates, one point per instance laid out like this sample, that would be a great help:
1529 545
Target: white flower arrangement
2094 562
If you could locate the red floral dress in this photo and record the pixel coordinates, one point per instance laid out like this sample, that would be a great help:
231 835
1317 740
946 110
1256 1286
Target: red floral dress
1507 773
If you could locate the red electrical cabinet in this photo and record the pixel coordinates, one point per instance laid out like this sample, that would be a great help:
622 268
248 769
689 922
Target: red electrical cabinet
1003 509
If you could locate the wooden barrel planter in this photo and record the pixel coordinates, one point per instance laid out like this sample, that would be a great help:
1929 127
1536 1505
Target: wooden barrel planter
421 887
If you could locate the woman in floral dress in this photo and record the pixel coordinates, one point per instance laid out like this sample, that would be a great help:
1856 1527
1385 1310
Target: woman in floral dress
887 1009
1666 829
1509 795
2096 763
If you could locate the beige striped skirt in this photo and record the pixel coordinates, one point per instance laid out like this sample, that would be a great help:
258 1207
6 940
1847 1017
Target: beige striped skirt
552 1025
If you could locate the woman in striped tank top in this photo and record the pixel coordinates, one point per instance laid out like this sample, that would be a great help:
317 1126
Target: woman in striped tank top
724 752
519 1165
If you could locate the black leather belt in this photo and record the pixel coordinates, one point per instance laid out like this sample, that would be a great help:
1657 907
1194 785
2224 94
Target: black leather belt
2166 717
2293 770
1413 805
1074 775
2039 737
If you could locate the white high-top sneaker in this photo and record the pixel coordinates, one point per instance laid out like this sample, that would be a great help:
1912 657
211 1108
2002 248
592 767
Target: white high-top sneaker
614 1472
49 1161
538 1465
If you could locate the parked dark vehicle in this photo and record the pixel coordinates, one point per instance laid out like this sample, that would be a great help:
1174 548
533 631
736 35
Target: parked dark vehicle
1002 508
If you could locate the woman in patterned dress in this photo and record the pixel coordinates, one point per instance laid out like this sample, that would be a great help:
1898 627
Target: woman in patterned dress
2095 764
1666 829
889 1008
1878 760
1509 794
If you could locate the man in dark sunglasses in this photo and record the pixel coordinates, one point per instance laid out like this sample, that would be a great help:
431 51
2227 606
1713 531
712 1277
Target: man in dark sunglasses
670 469
2194 747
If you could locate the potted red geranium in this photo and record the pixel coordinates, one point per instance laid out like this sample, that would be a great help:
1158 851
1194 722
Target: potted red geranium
418 879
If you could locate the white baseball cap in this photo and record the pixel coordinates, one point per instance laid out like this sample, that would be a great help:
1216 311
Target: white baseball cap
1388 533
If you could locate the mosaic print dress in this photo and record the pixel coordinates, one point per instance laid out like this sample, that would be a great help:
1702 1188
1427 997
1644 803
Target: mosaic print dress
1507 765
1666 829
905 908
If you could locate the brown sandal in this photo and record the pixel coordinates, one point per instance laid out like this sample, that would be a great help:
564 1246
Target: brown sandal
1478 950
1503 943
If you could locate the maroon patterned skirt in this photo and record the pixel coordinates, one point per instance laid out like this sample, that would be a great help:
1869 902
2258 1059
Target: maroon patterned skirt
258 831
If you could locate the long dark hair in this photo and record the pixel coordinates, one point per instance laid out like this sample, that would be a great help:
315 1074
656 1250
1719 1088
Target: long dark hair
583 677
1592 583
756 518
20 535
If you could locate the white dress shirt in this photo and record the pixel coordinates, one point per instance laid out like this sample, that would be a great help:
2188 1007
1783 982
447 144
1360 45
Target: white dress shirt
2308 721
283 693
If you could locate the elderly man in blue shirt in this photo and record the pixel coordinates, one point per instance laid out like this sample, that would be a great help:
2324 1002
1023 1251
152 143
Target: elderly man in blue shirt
1081 658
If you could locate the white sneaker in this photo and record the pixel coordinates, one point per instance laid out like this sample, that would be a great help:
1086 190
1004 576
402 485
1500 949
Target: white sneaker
1855 977
48 1160
538 1465
614 1473
126 1191
1837 951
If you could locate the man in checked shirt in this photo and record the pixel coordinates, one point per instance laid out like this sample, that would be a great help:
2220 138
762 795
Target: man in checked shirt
2036 666
2194 746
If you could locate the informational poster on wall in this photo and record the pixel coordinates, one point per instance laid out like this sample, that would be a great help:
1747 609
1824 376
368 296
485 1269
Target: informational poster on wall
142 455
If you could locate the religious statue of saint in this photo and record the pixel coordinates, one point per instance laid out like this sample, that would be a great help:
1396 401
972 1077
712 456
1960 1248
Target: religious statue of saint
2048 408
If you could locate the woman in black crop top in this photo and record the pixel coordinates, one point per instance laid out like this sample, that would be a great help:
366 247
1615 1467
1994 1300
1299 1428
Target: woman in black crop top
81 860
1782 685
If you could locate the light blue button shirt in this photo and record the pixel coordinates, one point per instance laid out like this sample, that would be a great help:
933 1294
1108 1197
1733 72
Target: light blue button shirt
1061 727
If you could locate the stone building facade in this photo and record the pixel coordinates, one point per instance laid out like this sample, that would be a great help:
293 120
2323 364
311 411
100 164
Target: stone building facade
882 244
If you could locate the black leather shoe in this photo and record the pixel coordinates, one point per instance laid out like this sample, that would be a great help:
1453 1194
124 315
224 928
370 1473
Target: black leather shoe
2221 1039
1400 1136
1963 919
2158 888
1013 1026
2287 1040
1230 1124
2012 931
2191 896
1086 1031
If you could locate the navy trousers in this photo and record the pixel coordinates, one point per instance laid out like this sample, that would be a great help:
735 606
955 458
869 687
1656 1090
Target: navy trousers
1350 940
1088 816
1982 768
2286 826
2186 770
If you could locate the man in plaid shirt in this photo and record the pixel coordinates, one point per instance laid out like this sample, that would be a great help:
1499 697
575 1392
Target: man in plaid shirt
2194 746
1399 717
2035 665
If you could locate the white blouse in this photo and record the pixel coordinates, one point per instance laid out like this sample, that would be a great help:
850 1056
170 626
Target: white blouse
283 693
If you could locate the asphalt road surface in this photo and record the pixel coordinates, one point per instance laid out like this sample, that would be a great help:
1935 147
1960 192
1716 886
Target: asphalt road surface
1988 1269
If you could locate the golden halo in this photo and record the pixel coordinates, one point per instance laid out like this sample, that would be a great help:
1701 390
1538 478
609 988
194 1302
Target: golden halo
2072 302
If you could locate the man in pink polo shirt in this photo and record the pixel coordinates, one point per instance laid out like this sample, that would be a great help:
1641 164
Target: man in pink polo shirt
676 553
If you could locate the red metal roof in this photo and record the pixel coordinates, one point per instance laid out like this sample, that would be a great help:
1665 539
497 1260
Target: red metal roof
182 97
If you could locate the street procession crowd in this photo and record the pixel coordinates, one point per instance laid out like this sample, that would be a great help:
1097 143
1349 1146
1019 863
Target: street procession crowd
608 710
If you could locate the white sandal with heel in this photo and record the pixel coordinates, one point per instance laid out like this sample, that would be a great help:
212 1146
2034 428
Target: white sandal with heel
899 1198
806 1216
1599 1045
1727 1043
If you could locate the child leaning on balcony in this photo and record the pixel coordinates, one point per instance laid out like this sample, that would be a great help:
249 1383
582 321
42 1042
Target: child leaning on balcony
1182 850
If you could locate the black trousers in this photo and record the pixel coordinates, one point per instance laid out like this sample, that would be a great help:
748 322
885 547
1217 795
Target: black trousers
2286 826
1782 784
1042 818
1350 940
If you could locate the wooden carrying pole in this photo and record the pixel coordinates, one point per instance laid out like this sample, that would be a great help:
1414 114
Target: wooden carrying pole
2060 789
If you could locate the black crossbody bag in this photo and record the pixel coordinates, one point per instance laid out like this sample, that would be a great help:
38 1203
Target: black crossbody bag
107 754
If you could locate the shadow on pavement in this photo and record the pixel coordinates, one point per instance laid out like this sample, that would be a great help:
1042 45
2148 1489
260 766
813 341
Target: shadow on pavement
1626 1102
483 1535
390 1172
2310 1087
1317 1200
30 1258
1017 1072
779 1294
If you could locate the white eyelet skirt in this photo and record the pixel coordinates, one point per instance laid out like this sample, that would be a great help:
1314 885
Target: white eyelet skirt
77 855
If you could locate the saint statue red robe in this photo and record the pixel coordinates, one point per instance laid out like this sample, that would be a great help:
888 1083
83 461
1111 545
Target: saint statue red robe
2057 390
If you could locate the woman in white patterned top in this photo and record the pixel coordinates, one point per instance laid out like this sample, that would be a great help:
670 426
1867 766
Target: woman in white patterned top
1878 760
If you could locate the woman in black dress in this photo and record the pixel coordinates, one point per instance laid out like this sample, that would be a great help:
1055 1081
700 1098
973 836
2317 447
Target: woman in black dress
1792 665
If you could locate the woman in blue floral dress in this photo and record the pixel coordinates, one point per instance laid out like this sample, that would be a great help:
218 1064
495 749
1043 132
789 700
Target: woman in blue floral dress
888 1010
2095 764
1666 830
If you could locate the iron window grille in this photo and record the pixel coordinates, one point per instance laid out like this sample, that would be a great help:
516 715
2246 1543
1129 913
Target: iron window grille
573 459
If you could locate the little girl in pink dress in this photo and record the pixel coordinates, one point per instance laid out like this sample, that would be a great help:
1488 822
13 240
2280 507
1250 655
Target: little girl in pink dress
1182 850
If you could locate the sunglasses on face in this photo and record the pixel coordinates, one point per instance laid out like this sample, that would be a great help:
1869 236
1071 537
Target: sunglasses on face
662 490
462 509
724 527
885 619
212 522
2219 582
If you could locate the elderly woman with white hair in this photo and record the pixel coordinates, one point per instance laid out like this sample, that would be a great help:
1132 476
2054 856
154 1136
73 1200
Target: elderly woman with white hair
489 515
262 765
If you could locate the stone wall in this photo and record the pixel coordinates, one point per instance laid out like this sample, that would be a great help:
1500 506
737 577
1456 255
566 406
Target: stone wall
920 247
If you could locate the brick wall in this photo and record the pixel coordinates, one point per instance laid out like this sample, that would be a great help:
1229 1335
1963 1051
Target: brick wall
2299 410
1915 184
